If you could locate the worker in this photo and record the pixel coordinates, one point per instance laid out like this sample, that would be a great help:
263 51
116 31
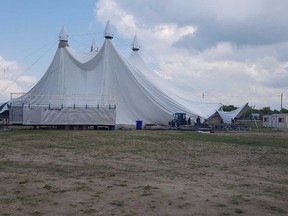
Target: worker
189 121
198 120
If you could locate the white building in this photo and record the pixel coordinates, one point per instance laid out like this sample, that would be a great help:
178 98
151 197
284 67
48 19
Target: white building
276 120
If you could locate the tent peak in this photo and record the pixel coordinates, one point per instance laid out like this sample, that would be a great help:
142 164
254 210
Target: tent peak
108 33
63 38
135 44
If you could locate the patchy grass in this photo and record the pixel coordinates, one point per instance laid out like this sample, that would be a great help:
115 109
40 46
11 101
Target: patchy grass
118 203
278 210
278 140
90 211
239 211
59 172
47 187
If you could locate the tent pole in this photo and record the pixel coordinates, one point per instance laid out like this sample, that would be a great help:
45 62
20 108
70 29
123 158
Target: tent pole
254 118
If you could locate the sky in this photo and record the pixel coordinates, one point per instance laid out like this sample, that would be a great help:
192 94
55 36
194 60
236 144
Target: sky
225 51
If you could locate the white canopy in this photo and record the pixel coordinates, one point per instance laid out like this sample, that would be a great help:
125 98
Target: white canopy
4 107
228 117
107 76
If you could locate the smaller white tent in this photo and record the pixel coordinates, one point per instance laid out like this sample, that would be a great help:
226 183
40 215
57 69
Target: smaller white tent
4 107
229 117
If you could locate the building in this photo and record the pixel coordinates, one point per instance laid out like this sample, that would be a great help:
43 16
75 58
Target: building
276 120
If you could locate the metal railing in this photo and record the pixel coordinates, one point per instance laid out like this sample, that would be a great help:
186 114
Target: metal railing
73 100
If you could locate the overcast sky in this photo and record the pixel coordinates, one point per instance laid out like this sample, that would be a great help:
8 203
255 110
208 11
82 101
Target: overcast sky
228 51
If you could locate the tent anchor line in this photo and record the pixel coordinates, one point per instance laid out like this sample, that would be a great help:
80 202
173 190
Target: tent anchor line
28 69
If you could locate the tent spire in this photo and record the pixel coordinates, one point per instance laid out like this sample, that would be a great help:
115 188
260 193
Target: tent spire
108 33
94 47
135 44
63 38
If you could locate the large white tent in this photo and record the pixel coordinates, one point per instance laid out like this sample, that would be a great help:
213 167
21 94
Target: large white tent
198 106
106 77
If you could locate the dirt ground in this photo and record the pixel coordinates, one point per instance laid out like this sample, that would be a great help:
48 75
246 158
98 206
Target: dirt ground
50 172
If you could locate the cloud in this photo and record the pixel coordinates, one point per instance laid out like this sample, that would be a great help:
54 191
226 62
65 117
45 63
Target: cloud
241 22
233 51
162 34
7 68
11 80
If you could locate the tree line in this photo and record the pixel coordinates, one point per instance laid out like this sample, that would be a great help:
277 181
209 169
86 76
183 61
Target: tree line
263 111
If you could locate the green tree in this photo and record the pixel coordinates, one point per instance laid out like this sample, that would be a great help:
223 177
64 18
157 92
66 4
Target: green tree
228 108
276 111
283 110
266 111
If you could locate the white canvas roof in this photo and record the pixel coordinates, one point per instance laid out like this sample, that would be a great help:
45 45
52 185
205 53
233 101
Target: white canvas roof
108 77
197 106
4 107
227 117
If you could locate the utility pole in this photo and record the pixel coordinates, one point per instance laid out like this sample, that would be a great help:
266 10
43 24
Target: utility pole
281 96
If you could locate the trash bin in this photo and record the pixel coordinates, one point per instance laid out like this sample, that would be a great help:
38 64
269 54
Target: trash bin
138 125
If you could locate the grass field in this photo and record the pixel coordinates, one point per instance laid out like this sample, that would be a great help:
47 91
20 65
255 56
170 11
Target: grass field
60 172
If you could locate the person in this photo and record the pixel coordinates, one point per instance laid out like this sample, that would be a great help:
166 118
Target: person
6 121
198 120
189 121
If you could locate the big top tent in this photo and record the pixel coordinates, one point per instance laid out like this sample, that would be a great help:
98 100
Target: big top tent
107 78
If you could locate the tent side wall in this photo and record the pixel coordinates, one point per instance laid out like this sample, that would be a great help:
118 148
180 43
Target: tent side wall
16 115
215 120
65 116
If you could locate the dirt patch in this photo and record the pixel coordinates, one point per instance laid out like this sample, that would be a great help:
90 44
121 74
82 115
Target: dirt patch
46 172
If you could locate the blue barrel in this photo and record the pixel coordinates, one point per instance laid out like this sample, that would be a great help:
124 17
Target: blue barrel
138 125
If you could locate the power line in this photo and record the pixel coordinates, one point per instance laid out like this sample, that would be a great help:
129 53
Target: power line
5 88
